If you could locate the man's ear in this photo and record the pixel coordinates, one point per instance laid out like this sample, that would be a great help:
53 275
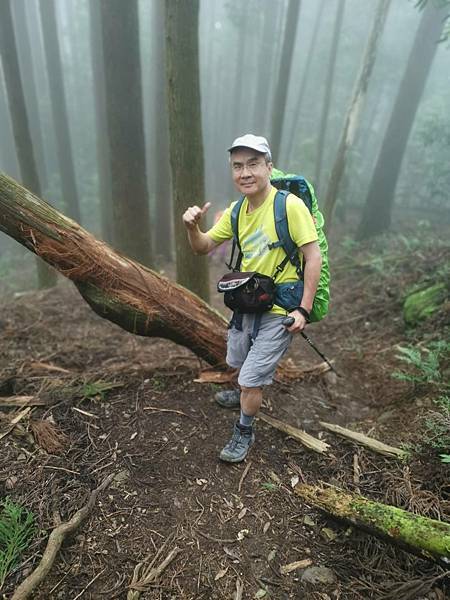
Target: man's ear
270 167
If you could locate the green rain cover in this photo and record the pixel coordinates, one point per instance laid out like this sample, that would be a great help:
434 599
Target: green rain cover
322 297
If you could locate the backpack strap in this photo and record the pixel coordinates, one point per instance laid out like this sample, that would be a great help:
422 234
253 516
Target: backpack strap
235 211
284 237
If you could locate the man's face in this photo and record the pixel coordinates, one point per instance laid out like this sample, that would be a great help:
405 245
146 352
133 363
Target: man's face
251 173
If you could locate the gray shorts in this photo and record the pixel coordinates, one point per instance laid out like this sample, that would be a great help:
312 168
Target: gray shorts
257 359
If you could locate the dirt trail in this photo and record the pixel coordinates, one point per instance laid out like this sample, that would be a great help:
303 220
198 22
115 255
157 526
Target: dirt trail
130 406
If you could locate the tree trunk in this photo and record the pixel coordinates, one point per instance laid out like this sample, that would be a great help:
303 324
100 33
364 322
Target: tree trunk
422 536
116 288
284 74
124 114
161 176
328 90
59 108
185 134
101 126
304 85
376 216
19 120
353 114
263 74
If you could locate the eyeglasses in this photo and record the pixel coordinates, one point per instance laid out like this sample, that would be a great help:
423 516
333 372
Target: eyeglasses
252 166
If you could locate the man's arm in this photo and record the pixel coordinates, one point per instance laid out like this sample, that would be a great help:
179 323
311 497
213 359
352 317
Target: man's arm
200 242
311 275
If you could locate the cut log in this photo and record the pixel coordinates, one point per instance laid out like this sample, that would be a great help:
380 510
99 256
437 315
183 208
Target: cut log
422 536
366 441
117 288
304 438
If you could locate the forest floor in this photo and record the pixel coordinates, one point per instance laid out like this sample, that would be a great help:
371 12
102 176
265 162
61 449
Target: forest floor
118 404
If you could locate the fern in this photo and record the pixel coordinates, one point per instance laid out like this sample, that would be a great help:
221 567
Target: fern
17 529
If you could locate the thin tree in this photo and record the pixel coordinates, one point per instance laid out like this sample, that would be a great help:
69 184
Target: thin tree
101 127
264 74
354 110
161 176
328 90
19 121
304 87
376 216
186 147
59 108
284 75
124 114
30 89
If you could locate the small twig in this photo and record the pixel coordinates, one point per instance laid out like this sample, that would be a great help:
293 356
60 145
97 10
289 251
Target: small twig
54 543
214 539
89 584
168 410
244 475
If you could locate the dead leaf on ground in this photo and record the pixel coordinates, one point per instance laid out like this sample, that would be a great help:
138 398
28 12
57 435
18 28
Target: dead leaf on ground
299 564
221 574
216 376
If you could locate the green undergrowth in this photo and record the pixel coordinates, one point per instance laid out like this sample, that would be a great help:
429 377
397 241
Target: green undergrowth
425 369
17 529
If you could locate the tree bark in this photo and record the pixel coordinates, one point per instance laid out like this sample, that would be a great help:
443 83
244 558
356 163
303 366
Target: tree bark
422 536
376 216
19 121
59 108
124 115
116 288
328 90
185 134
354 110
284 73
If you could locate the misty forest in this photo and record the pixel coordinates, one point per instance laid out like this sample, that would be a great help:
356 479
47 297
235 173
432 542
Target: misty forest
116 117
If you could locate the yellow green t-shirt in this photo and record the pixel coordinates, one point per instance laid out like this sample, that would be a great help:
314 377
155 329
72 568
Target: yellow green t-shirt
257 231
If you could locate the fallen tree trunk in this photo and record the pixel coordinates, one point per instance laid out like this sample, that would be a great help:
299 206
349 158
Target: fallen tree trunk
117 288
424 537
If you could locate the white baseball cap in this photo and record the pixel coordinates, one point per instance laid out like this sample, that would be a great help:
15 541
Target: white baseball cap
255 142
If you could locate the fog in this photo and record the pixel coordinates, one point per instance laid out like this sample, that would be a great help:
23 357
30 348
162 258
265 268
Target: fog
243 56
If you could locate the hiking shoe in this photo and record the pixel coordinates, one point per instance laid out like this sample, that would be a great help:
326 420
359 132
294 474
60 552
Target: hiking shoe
239 445
228 398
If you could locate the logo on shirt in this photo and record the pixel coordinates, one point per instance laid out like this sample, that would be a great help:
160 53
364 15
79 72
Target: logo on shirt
255 245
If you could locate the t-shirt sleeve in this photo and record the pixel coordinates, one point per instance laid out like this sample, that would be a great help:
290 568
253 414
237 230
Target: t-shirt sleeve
222 231
301 224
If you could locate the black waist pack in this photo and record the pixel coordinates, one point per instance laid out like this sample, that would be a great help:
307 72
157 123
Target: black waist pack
249 292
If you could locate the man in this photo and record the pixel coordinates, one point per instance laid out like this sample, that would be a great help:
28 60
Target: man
257 353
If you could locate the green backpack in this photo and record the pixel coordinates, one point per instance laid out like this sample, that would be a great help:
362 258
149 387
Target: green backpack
298 186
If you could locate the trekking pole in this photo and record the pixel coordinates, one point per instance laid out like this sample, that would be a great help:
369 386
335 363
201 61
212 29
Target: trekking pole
288 321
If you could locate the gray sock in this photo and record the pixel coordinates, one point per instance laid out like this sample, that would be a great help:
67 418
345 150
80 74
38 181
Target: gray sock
246 420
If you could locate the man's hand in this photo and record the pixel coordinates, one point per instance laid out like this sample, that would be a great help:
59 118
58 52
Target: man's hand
299 323
193 215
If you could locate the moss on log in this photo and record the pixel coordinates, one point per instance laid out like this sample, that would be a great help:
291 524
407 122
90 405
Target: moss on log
424 303
422 536
117 288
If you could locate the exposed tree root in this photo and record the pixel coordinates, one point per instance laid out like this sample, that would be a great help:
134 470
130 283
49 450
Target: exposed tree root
55 540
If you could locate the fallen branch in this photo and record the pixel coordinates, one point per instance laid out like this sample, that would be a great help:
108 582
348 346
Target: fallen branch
145 574
422 536
13 422
55 540
19 401
304 438
366 441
